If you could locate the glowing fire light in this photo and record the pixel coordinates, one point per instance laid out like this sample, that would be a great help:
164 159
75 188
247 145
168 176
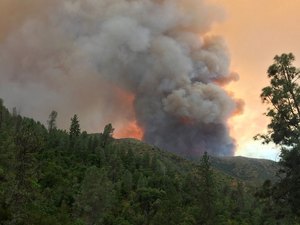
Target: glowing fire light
130 130
130 127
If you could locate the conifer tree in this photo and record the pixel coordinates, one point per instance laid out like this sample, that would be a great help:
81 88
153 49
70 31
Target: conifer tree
1 112
74 129
107 134
28 140
52 121
207 192
283 99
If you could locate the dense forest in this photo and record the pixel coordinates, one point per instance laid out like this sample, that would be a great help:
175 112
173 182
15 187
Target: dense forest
53 176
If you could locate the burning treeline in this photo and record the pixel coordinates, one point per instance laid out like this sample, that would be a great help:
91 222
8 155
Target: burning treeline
71 56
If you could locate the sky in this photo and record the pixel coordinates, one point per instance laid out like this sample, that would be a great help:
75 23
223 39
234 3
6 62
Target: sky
255 32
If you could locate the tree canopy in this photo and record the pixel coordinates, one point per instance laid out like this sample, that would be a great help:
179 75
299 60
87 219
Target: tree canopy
123 182
282 97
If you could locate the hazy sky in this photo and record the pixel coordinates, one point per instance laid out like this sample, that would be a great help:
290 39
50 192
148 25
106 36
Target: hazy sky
255 32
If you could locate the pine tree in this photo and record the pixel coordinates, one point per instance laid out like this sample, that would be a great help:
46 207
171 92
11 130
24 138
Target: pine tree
74 130
1 112
29 139
283 99
207 192
52 121
96 197
107 134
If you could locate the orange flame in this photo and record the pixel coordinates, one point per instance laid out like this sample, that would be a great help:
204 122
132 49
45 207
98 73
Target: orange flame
129 128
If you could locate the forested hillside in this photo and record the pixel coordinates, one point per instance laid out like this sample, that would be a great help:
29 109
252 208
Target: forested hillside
250 170
52 176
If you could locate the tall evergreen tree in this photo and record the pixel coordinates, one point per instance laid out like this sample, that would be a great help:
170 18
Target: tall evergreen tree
283 99
208 189
1 112
74 131
29 140
107 134
52 121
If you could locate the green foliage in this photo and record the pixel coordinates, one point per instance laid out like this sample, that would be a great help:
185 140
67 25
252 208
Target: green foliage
283 98
250 170
207 189
108 181
74 127
96 197
52 121
107 134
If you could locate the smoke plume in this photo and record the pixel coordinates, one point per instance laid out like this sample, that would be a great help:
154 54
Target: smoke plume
143 64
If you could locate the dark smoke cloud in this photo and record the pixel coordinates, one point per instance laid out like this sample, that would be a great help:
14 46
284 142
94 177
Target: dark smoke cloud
77 55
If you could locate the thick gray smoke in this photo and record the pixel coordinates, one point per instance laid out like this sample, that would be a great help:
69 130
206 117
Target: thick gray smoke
83 56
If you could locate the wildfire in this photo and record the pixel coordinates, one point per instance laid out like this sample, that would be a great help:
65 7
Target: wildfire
128 128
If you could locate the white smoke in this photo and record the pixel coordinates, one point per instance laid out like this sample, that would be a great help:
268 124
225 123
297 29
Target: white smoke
77 54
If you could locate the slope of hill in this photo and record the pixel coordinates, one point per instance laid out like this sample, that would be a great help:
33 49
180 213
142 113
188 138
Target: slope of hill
250 170
50 176
170 159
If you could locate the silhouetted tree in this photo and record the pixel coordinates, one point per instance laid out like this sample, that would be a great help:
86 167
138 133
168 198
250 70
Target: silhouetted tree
283 99
1 112
52 121
107 134
74 130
